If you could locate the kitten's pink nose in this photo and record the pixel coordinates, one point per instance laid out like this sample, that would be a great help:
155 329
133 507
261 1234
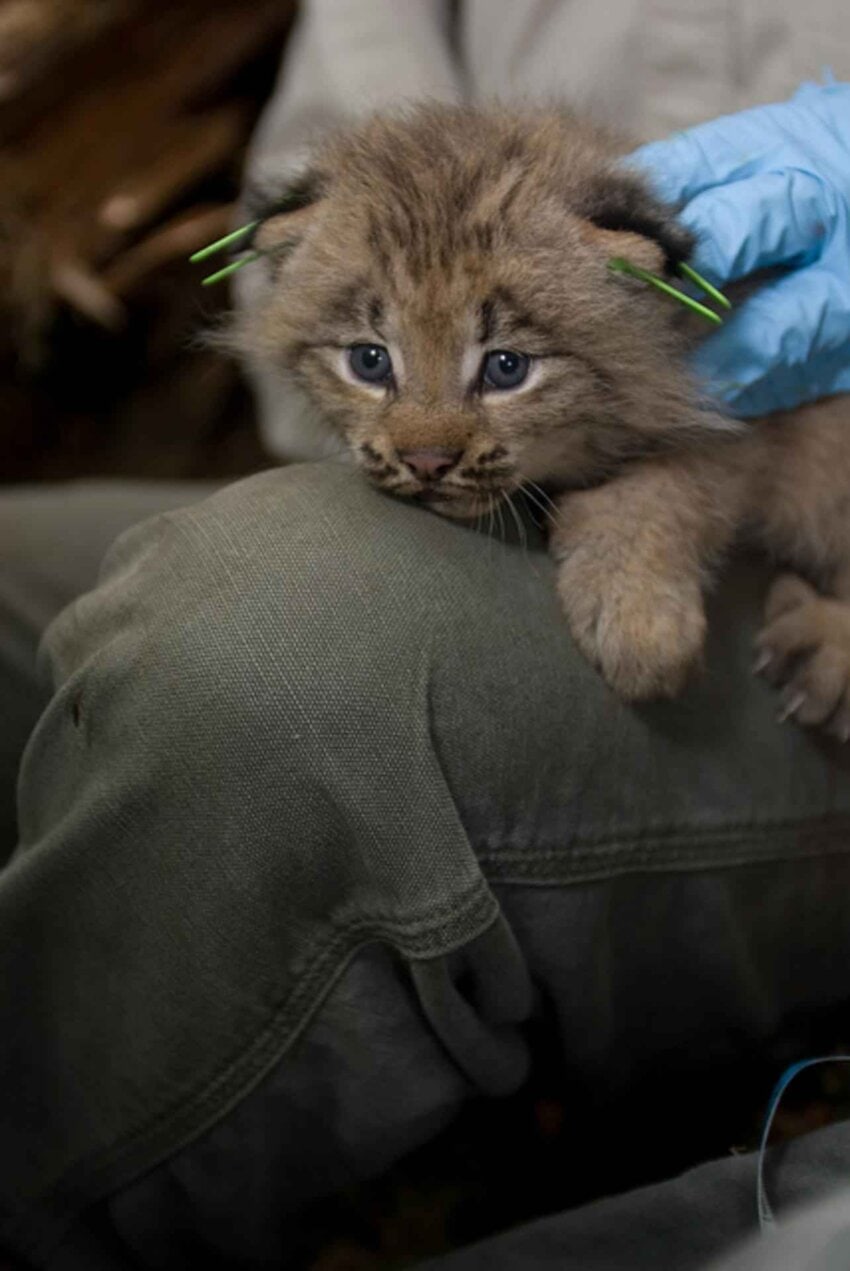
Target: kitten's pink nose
430 465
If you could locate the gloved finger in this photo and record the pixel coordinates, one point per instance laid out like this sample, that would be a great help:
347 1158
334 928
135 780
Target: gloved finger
785 388
789 343
730 148
775 218
677 167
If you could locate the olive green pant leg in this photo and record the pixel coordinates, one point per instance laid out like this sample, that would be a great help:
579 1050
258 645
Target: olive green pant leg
300 719
52 540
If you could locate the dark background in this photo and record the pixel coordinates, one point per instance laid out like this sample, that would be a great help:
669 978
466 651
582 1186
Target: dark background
123 126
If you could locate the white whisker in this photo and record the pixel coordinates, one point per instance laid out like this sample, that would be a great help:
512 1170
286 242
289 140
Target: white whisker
547 498
498 504
518 522
549 516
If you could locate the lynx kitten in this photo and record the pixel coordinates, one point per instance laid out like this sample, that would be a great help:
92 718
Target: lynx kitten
440 289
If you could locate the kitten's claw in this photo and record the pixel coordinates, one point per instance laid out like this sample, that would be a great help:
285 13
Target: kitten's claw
791 707
807 640
762 662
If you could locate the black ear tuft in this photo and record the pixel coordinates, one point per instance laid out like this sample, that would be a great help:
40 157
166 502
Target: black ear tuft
282 215
262 205
622 202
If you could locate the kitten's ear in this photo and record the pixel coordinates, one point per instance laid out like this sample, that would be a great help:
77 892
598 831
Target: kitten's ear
284 217
623 218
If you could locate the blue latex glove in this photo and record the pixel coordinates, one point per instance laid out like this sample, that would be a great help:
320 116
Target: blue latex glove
770 187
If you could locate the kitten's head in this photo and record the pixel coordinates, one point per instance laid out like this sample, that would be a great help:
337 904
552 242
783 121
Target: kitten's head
440 287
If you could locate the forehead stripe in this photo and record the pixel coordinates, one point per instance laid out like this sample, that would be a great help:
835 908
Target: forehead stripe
504 311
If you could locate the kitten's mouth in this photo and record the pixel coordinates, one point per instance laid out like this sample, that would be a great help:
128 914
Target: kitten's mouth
460 506
460 500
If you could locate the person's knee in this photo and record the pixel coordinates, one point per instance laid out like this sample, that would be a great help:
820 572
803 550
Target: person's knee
300 593
284 615
252 678
299 638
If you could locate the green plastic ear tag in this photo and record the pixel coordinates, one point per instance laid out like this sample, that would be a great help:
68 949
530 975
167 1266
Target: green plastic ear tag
219 246
621 266
688 271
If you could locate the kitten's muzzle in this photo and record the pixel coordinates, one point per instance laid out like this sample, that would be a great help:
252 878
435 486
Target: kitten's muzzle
432 464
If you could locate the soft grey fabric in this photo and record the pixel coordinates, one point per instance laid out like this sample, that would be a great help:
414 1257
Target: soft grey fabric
683 1223
815 1239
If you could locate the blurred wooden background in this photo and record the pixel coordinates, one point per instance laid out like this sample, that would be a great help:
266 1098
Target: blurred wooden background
123 126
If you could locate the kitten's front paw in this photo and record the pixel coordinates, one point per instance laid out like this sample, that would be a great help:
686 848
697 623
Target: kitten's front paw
644 632
804 651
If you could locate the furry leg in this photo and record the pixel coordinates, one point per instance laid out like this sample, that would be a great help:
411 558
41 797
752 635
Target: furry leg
635 555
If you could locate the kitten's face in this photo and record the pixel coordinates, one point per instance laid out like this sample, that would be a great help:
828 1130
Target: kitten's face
446 302
447 387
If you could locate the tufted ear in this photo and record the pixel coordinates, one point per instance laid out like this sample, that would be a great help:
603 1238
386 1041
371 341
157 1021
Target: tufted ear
623 218
284 216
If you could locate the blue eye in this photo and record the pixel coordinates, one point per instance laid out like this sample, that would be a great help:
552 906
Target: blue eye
505 369
370 362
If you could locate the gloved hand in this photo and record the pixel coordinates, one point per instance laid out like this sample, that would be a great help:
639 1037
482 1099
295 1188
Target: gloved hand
770 187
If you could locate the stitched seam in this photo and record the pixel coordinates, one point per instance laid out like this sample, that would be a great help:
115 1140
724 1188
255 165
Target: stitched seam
677 835
644 856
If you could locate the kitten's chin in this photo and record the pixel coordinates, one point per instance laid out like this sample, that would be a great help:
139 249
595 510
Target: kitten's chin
457 507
